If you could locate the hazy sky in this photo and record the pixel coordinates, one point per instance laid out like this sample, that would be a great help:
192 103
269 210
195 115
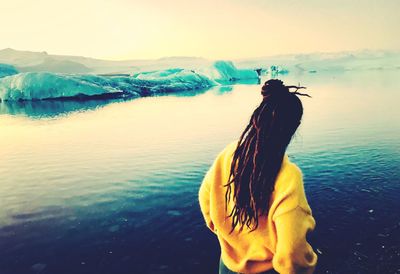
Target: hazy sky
130 29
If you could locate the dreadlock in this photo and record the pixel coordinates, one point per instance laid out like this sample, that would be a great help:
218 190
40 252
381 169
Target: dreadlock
260 151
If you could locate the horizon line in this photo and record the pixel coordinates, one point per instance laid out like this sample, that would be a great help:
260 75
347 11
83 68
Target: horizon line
210 59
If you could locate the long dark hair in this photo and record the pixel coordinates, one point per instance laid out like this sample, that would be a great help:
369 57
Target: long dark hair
260 150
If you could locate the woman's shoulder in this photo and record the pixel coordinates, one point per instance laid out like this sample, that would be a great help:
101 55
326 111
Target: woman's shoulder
290 169
227 152
231 147
223 160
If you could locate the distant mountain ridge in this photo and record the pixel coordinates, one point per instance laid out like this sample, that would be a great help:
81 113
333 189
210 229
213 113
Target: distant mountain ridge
42 61
26 61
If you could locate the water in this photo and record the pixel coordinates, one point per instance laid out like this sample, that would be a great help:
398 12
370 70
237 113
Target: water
111 186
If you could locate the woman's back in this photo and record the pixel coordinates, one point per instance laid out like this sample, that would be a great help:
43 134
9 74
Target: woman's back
279 241
253 197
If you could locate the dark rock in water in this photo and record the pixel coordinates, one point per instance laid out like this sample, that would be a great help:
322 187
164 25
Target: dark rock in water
39 267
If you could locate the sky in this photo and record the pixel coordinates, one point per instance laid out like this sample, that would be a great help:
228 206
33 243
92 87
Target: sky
215 29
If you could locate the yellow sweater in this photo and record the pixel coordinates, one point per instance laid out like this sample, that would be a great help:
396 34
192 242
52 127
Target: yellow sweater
279 242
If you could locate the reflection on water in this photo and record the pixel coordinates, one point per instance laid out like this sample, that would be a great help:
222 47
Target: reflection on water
50 108
54 107
113 189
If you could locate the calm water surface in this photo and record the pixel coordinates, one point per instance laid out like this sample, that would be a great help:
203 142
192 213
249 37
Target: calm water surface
111 186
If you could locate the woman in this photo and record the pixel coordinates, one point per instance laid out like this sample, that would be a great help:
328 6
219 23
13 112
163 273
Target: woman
253 197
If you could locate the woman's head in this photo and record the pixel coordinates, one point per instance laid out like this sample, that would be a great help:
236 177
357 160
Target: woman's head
279 114
260 151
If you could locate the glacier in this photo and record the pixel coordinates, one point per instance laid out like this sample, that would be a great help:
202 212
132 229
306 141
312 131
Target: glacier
46 85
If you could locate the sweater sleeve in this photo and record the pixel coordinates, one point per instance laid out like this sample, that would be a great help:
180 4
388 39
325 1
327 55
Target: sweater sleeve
293 253
215 175
204 197
293 221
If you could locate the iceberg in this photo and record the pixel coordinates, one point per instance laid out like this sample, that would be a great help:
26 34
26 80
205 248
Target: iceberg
6 70
45 85
225 71
178 78
220 72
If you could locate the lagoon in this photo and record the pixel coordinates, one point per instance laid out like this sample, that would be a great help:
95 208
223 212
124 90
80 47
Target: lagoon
111 186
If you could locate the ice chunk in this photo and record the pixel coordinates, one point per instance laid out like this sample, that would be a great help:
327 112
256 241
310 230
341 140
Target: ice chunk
6 70
176 79
44 85
157 74
225 71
